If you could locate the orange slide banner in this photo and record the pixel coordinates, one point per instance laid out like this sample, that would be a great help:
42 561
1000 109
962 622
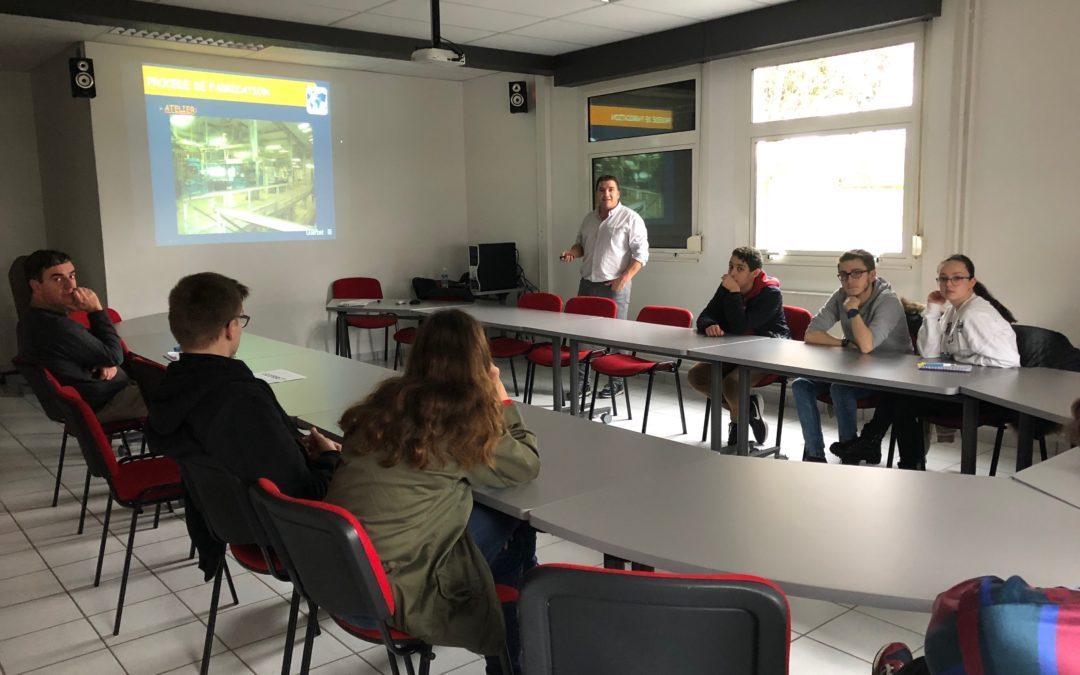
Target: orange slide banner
639 118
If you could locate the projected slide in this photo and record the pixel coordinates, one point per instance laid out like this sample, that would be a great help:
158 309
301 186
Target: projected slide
238 158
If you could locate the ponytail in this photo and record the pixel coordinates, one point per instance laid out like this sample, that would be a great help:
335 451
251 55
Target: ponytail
980 289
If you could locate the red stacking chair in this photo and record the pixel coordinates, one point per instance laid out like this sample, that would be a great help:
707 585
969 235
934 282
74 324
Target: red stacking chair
366 288
81 317
798 320
613 622
509 347
543 354
330 557
628 365
404 336
135 482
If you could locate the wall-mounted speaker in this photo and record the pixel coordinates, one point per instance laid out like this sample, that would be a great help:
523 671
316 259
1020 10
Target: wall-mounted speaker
82 78
519 97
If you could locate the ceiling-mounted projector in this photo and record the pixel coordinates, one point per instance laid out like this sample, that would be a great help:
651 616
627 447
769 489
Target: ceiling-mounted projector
438 55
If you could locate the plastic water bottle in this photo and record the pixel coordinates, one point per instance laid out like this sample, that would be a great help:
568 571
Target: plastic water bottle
444 280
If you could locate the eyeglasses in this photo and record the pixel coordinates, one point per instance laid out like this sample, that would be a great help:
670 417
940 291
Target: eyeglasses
242 319
943 281
853 274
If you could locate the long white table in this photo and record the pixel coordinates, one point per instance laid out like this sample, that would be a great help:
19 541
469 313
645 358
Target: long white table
1058 477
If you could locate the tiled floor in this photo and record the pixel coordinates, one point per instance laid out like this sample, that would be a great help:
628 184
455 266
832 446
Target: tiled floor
52 620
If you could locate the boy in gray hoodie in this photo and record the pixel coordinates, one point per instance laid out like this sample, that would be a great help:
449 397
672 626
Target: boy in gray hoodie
872 319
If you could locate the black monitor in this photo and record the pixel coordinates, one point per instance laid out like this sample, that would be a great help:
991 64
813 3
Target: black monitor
493 267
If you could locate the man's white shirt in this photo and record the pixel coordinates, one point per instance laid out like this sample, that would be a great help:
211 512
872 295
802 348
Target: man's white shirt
610 244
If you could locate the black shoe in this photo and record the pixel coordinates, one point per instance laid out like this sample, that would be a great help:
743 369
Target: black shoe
814 458
609 391
758 425
864 449
732 435
842 448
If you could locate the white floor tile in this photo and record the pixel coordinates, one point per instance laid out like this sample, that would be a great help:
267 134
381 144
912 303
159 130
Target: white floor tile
13 542
80 575
249 590
809 657
164 651
17 564
354 644
101 662
34 616
28 587
446 659
914 621
94 600
222 663
142 619
569 552
861 635
254 622
49 646
264 657
806 614
350 665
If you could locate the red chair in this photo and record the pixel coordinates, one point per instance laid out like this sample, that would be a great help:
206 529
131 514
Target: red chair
798 320
81 317
628 365
543 354
332 560
613 622
365 288
135 482
509 347
405 336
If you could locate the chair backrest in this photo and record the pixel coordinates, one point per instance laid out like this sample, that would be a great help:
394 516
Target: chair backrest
84 426
591 305
549 302
357 287
608 622
81 317
20 285
1045 348
798 320
44 386
326 551
148 374
666 316
223 500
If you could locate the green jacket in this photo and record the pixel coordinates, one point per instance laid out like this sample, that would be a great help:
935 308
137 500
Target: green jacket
443 589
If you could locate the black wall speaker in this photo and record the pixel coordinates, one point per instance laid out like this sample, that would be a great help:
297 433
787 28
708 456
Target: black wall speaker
82 78
519 97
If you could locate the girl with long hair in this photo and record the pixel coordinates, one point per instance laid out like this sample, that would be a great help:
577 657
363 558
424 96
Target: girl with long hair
412 451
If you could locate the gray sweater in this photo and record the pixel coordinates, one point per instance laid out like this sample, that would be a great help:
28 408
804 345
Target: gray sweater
882 313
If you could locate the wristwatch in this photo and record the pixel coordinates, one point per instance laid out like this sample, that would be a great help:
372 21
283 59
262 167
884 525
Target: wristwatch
844 342
852 313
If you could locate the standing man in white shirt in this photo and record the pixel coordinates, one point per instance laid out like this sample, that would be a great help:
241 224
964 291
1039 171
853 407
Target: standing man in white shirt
613 245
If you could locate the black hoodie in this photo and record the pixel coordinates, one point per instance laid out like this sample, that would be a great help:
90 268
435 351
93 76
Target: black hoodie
214 406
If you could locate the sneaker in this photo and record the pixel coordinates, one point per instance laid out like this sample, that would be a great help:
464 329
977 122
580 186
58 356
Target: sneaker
891 659
757 422
864 449
842 448
609 391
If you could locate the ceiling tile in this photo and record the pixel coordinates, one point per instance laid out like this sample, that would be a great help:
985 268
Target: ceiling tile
451 14
578 33
284 10
392 25
523 43
701 10
322 59
350 5
546 8
630 19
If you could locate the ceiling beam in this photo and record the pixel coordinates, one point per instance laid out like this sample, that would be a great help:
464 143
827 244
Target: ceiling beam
772 26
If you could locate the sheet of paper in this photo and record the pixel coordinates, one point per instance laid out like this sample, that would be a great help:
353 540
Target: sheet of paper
275 376
354 303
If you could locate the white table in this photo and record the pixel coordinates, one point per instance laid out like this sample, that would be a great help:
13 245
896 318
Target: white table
399 308
1058 477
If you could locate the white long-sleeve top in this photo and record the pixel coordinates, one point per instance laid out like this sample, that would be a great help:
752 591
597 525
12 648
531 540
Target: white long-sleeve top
973 333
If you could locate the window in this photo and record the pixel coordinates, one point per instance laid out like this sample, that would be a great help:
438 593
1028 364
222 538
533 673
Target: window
658 185
834 150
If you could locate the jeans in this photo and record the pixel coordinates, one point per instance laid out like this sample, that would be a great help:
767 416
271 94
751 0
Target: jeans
844 404
602 290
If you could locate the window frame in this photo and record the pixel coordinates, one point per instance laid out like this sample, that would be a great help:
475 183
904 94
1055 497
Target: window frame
908 118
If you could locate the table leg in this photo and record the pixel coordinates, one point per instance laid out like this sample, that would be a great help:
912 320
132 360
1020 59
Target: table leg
343 346
1023 442
716 394
613 563
969 435
575 381
744 411
556 375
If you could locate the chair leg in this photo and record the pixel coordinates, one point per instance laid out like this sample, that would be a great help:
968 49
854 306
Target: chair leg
85 496
513 375
595 384
392 658
59 469
780 412
407 658
614 400
126 452
528 382
211 620
426 658
397 354
104 538
309 637
678 390
998 438
1042 446
386 344
705 428
626 393
157 516
584 378
191 553
648 400
290 633
228 580
127 569
892 447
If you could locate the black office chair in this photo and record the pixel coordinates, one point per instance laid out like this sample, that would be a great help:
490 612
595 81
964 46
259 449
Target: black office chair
611 622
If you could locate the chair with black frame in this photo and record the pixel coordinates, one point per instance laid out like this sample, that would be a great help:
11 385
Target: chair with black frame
135 482
332 560
612 622
226 507
366 288
798 320
628 365
543 354
510 347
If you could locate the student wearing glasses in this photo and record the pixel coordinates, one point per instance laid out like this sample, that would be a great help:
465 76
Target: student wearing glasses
872 320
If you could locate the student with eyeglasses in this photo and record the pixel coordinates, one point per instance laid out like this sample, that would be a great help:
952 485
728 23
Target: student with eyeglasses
872 320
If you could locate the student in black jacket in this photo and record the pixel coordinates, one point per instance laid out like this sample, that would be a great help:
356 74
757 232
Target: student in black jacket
748 302
211 404
87 359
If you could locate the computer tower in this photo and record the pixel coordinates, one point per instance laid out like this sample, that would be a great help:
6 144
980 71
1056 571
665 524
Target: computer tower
492 267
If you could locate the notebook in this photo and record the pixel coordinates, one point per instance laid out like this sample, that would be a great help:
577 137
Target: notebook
946 366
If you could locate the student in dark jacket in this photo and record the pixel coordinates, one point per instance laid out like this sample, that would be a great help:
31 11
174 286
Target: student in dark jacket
87 359
210 404
748 302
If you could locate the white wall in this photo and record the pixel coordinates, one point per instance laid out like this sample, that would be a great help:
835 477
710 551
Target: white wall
399 181
22 219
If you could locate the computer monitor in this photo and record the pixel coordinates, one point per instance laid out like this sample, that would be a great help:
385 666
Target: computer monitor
492 267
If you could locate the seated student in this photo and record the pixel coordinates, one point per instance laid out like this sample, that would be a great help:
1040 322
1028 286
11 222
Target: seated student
748 302
88 360
413 449
872 318
965 323
210 404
